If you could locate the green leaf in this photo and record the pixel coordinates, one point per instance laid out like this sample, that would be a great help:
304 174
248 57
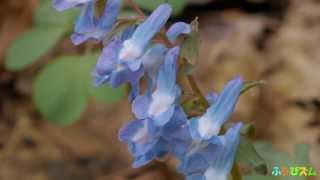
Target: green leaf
31 45
278 158
301 152
177 5
50 27
271 156
248 156
62 88
46 15
58 91
251 84
191 44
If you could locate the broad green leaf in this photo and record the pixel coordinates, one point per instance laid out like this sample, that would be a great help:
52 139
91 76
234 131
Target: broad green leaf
46 15
177 5
191 44
60 90
301 152
271 156
278 158
31 45
50 27
63 87
249 157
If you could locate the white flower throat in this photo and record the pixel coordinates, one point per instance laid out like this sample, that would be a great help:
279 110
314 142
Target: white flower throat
160 103
129 51
207 127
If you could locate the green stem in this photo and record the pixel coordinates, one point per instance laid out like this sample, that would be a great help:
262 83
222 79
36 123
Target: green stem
235 172
194 86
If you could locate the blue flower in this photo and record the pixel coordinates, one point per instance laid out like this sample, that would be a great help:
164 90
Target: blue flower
62 5
160 104
209 124
134 47
161 127
148 141
121 60
212 159
90 26
155 55
178 29
110 70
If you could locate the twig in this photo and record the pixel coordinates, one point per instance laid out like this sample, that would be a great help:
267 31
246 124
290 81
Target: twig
136 8
197 90
235 172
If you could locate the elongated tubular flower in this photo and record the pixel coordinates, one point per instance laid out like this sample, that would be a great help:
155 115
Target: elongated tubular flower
209 124
160 105
212 160
91 26
134 48
61 5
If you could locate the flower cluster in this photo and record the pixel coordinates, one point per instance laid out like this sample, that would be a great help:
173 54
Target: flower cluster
161 125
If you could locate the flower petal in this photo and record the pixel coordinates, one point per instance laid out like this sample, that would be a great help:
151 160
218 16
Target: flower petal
62 5
166 82
149 28
209 125
141 136
140 106
226 101
110 15
177 29
89 26
152 60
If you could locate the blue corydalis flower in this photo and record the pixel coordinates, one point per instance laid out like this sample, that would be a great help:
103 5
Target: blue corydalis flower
209 124
121 61
161 127
148 141
134 47
91 26
155 55
212 160
160 105
110 70
62 5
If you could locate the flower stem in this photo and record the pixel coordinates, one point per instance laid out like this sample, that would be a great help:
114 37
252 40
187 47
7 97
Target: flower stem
136 8
195 88
235 172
